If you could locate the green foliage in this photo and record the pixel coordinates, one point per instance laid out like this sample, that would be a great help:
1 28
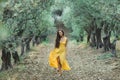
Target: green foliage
34 17
4 35
25 19
79 15
4 32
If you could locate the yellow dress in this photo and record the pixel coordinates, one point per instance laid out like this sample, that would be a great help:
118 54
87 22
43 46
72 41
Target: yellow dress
61 52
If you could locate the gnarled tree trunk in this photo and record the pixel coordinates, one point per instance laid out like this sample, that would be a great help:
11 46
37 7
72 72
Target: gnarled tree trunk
6 59
15 57
99 43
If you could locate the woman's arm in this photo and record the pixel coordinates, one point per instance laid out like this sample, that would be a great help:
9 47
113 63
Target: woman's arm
66 42
66 46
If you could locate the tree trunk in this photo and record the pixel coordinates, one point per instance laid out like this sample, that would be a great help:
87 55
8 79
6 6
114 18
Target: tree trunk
93 40
88 31
106 41
37 40
88 38
16 57
9 59
113 48
98 38
6 59
22 48
81 38
28 45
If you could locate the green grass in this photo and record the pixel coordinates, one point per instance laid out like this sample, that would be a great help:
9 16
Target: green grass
5 75
105 56
46 42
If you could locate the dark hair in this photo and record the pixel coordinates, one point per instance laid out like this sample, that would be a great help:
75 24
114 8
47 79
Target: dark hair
58 37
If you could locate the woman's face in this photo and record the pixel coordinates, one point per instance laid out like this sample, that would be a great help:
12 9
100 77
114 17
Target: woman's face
61 33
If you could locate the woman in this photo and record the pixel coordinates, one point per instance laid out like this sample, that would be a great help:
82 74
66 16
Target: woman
57 58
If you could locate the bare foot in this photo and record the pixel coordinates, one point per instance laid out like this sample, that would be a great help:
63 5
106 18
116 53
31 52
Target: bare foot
57 70
60 73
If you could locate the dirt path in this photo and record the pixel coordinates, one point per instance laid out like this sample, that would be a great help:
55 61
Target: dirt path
82 59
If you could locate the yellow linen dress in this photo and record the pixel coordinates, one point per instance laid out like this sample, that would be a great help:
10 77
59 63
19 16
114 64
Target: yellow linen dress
61 52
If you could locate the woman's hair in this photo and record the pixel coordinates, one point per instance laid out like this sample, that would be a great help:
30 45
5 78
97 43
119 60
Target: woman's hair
58 37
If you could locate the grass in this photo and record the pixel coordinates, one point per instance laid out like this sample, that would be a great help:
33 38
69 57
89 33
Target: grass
105 56
39 70
45 43
21 68
5 75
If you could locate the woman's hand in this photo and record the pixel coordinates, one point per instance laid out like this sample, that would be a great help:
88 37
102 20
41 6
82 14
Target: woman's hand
66 42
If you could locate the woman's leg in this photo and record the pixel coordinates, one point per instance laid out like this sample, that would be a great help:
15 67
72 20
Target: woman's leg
59 66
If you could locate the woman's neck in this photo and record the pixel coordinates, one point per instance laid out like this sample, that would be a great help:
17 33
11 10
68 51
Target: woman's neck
62 37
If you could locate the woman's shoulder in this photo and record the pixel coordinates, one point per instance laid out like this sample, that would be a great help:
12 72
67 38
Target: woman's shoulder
66 38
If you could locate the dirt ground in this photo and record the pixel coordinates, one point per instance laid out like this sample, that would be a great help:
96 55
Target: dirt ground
82 59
